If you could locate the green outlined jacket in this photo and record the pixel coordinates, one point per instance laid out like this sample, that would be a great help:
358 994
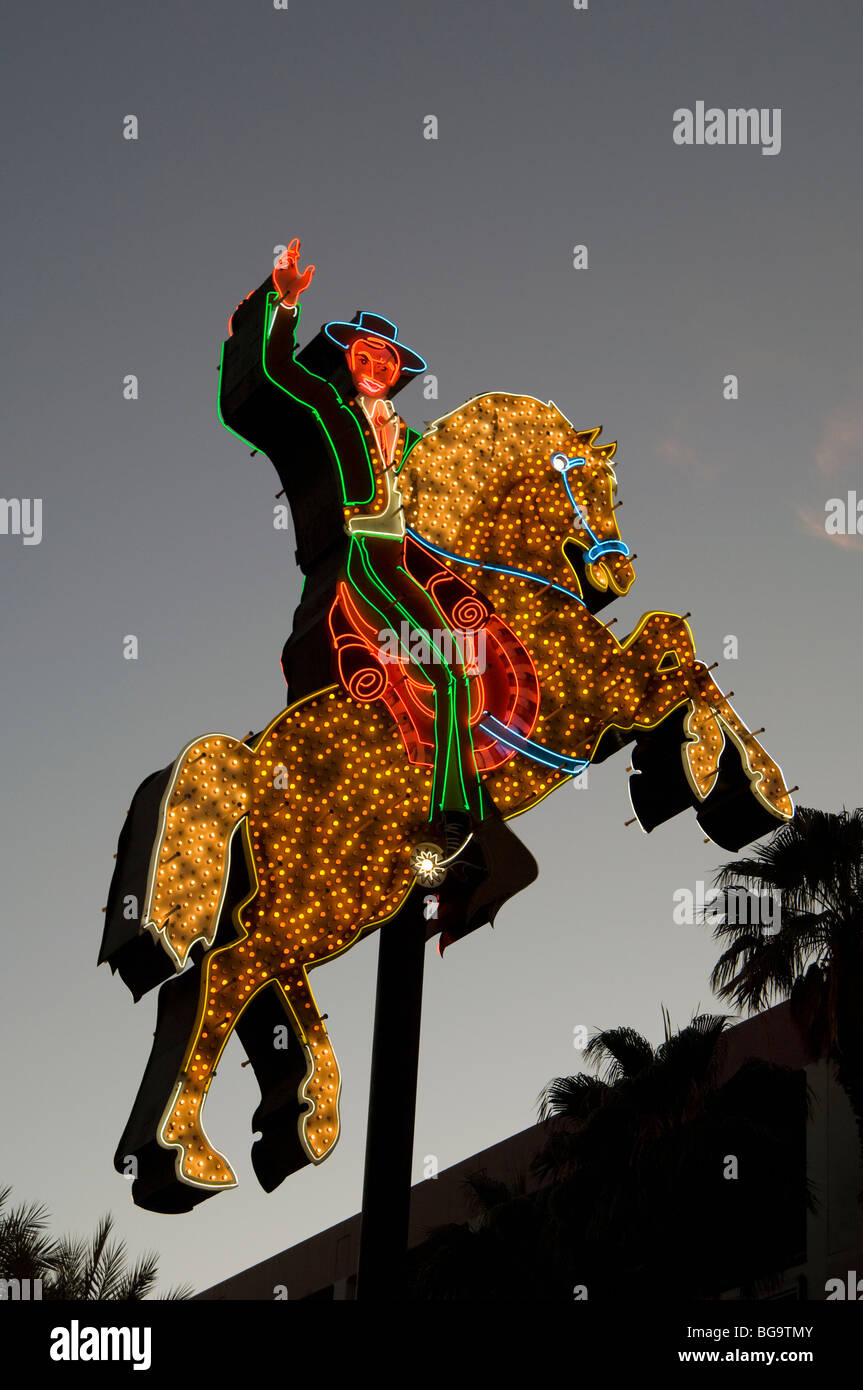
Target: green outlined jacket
342 422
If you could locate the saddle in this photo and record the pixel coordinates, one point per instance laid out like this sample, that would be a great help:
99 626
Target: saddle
505 684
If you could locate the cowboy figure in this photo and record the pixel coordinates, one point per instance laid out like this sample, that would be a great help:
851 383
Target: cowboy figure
369 444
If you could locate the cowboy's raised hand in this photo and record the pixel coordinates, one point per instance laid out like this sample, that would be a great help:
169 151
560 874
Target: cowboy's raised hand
287 278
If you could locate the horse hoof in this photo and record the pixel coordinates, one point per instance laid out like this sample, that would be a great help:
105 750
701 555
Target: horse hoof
205 1167
197 1161
319 1126
319 1138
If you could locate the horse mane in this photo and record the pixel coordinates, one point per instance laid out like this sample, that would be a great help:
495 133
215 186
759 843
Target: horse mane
480 468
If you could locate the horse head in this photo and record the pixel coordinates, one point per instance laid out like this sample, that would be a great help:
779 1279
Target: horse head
507 482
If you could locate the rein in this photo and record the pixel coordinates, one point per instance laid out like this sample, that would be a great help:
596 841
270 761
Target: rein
497 569
548 757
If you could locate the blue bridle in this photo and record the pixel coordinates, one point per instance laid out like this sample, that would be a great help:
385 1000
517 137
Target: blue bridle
599 548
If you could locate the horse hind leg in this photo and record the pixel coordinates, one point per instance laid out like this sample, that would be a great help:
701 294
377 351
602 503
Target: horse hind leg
222 998
279 1062
318 1124
159 1184
231 977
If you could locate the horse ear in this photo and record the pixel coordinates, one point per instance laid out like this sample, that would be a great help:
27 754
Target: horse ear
586 438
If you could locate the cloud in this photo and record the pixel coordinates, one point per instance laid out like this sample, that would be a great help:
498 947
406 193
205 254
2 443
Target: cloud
679 455
813 522
840 449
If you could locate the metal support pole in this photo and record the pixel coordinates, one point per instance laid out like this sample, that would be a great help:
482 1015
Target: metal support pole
392 1105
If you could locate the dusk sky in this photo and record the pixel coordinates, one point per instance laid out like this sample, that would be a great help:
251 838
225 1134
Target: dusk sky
555 129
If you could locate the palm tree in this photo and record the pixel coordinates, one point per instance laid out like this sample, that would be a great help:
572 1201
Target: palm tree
632 1196
72 1268
505 1252
26 1249
638 1155
815 959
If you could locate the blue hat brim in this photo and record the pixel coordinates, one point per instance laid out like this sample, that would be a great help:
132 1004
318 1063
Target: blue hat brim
410 360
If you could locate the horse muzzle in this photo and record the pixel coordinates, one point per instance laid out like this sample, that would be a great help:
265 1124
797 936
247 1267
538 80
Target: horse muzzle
606 565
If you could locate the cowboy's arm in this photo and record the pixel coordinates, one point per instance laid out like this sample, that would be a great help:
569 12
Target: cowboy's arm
336 425
281 365
281 320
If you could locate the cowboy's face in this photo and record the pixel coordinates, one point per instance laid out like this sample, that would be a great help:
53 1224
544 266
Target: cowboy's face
374 365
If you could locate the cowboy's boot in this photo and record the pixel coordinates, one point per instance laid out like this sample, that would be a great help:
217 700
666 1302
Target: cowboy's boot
484 864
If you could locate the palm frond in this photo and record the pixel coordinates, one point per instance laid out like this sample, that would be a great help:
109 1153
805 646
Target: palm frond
572 1097
618 1053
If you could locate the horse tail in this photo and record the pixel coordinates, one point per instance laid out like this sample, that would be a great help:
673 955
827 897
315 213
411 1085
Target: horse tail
207 796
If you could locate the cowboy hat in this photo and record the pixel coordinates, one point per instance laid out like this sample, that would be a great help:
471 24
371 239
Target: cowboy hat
374 325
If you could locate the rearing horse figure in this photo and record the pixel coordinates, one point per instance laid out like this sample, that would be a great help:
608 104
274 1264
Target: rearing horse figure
329 801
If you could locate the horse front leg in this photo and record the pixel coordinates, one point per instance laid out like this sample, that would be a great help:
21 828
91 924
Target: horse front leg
765 776
658 660
663 650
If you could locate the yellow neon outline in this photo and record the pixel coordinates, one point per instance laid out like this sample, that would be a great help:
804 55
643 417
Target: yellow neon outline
146 922
753 775
243 935
555 778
